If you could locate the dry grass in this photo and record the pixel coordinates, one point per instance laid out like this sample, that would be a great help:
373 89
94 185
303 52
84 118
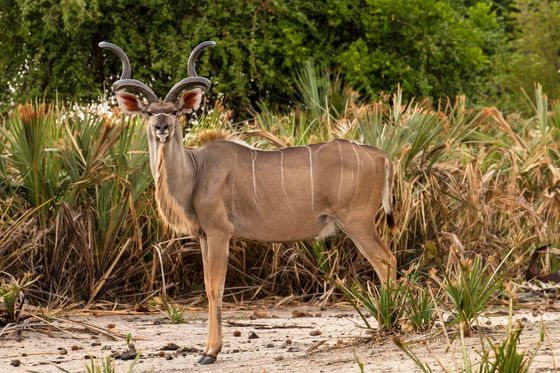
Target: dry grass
77 207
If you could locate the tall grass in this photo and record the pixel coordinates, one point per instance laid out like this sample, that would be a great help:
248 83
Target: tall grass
77 201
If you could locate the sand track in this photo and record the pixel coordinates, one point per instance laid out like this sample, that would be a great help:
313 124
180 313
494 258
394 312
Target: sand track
284 344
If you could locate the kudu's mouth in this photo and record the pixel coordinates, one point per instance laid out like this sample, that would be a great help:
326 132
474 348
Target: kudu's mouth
162 136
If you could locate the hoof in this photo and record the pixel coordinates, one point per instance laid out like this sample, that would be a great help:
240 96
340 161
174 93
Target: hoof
200 359
208 359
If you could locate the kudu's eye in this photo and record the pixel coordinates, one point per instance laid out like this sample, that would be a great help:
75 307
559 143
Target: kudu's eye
149 113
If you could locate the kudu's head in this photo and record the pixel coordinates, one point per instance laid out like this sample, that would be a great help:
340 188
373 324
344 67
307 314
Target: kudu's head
163 116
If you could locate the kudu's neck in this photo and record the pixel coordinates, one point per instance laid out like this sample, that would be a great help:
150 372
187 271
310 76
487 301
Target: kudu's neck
174 169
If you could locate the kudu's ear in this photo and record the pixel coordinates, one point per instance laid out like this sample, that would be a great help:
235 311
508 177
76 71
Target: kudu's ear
190 100
130 104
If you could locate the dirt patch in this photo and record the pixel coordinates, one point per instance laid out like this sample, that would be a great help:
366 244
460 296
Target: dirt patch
302 339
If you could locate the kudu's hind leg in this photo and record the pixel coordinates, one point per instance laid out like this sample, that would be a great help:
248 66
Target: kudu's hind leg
215 258
369 243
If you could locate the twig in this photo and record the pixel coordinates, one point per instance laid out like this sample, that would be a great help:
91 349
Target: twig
265 326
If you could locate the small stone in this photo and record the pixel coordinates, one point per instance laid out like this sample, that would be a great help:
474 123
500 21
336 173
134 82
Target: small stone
261 315
279 358
161 354
488 322
169 357
129 354
318 314
62 351
524 319
158 322
293 349
315 333
105 348
270 345
536 312
288 341
252 317
170 347
131 346
75 348
237 333
188 349
89 357
253 335
298 313
235 350
111 326
94 344
15 363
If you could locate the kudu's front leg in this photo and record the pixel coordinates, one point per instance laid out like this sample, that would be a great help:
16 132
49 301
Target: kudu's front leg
215 250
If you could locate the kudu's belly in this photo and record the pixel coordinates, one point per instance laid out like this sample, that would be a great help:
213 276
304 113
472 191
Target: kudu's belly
278 228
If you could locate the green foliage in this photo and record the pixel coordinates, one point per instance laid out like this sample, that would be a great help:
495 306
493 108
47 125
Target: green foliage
174 313
432 47
11 297
108 365
384 303
397 305
471 291
495 357
534 50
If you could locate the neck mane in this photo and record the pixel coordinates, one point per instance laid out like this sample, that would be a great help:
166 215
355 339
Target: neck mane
175 171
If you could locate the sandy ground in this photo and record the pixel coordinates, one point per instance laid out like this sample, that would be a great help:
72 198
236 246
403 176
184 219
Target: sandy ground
285 343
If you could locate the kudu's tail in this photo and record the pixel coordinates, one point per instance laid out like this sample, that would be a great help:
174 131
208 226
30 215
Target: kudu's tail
387 194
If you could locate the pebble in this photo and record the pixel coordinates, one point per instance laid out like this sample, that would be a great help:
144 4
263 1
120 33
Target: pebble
288 341
261 315
184 350
129 354
297 313
111 326
15 363
270 345
253 335
75 348
315 333
170 347
279 358
62 351
96 344
237 333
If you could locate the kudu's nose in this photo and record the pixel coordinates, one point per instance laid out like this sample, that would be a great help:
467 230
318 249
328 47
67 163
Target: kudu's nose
161 127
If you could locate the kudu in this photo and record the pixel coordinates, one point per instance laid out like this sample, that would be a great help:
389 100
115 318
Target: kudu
227 189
